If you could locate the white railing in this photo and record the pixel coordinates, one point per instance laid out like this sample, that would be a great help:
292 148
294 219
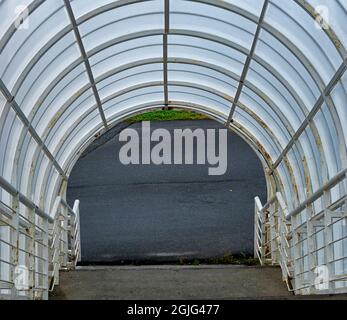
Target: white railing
271 237
65 244
34 246
309 243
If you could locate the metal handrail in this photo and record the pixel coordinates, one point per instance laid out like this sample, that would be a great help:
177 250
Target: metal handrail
280 237
23 199
317 194
57 234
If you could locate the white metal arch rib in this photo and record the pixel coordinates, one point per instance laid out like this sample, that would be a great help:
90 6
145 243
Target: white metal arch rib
295 184
251 140
131 36
296 52
222 95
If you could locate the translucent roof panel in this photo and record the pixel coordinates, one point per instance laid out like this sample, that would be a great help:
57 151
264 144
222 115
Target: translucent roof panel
339 97
280 96
202 49
125 53
271 52
203 18
251 6
21 48
272 71
118 103
44 69
123 21
124 80
202 75
305 36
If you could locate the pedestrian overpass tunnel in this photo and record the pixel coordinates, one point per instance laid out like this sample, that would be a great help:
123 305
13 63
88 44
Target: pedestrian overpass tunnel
272 71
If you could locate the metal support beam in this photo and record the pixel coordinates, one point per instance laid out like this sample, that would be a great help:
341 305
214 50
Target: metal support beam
86 60
248 62
326 92
165 50
12 102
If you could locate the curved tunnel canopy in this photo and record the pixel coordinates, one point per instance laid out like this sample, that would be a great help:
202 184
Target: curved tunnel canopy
274 71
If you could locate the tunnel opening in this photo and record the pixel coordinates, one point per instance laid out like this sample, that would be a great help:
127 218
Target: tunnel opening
167 213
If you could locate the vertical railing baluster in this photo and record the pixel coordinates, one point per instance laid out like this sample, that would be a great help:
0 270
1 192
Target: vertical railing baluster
30 250
296 250
45 242
328 237
14 240
311 247
64 236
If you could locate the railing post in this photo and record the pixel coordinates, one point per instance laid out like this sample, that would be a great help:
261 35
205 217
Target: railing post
259 231
296 256
55 246
30 251
273 233
77 232
14 240
45 242
256 221
64 236
264 235
311 247
284 234
328 238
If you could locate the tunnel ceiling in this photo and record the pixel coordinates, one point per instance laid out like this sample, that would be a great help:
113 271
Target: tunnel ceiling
274 71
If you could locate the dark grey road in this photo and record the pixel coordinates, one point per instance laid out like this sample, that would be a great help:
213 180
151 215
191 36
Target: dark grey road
162 213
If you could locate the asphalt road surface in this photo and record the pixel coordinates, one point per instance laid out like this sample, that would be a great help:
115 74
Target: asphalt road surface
166 212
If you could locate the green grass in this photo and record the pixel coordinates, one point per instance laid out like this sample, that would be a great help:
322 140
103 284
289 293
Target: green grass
227 258
166 115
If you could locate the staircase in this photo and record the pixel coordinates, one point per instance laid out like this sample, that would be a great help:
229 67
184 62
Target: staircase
171 282
309 243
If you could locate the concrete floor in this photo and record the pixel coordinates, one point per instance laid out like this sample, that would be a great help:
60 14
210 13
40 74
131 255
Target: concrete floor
171 282
167 212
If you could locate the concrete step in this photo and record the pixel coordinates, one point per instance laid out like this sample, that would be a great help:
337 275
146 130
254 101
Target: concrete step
172 282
